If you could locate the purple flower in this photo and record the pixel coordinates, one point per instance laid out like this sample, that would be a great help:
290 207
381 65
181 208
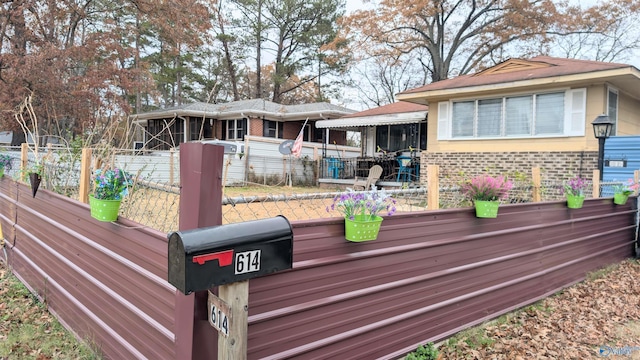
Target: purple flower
366 203
575 186
112 184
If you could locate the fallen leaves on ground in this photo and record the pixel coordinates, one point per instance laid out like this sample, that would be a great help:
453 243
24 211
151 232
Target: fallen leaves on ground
602 312
28 330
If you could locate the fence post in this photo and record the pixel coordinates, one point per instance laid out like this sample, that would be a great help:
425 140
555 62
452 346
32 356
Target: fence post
172 153
596 184
247 165
636 179
85 175
433 187
316 165
24 160
200 191
537 184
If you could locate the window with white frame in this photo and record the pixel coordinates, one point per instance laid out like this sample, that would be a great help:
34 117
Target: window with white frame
612 108
560 113
272 129
234 129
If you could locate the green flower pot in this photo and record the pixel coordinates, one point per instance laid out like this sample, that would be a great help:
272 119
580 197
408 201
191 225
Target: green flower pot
620 198
362 228
486 209
104 210
575 201
1 171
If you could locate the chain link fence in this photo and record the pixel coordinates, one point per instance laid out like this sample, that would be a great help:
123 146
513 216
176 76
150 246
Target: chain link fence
156 204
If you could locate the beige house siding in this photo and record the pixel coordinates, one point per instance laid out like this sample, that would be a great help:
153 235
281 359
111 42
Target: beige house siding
628 115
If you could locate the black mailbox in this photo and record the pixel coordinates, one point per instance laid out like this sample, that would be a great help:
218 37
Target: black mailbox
218 255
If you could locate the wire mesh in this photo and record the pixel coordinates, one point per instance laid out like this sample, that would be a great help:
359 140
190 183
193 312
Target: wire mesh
59 169
306 206
155 203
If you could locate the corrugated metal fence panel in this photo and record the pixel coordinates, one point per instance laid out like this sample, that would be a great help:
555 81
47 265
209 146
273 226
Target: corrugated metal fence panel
428 275
617 150
106 281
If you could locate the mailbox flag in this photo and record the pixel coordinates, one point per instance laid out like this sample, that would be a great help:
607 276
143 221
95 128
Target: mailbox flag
296 149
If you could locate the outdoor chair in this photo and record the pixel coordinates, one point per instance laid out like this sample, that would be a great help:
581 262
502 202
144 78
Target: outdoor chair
335 167
365 184
405 172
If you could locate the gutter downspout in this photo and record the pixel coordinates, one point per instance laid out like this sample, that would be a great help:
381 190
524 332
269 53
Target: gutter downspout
185 127
325 139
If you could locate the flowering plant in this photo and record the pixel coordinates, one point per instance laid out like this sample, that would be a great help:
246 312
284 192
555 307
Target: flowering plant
626 189
112 184
575 186
367 203
487 188
5 161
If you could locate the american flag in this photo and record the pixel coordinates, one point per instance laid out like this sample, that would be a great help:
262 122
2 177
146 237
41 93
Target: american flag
296 148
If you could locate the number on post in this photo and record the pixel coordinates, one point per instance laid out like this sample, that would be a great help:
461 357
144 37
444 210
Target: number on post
219 320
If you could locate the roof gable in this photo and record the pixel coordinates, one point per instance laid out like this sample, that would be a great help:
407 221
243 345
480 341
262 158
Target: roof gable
512 65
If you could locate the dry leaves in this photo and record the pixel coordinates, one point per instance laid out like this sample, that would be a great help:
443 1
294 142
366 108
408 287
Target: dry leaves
28 330
574 324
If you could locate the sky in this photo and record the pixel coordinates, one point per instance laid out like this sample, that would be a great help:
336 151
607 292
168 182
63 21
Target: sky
353 5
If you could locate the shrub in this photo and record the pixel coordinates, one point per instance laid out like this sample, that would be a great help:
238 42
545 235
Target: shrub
424 352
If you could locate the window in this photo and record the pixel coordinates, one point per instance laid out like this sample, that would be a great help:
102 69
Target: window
307 133
234 129
318 135
463 125
401 137
163 134
197 130
549 118
489 117
536 115
272 129
612 109
518 115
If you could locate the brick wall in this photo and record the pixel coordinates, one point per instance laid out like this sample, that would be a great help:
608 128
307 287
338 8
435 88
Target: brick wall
255 127
555 166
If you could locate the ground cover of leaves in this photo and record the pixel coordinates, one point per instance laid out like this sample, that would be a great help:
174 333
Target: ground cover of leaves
28 330
598 318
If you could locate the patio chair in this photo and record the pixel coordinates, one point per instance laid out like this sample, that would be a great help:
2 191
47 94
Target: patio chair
405 172
365 184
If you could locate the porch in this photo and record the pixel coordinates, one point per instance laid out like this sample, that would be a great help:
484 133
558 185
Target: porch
398 170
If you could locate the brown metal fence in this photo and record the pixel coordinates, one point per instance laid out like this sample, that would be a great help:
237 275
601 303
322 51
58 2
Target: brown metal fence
428 275
106 281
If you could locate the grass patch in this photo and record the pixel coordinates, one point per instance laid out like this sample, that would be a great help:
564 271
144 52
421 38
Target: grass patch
475 338
28 330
